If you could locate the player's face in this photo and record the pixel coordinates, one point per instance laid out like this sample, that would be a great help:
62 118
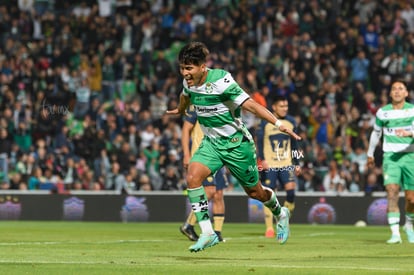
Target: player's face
280 108
193 74
398 93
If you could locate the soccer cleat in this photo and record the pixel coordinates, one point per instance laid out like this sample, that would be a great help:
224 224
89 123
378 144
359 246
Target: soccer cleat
410 234
204 241
270 233
394 239
218 233
283 227
188 230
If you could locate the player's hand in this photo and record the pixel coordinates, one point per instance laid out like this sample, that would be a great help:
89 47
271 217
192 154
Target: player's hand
370 162
186 161
402 133
173 112
289 132
298 170
265 165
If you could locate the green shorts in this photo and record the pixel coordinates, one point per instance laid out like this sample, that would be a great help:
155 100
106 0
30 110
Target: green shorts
398 168
238 155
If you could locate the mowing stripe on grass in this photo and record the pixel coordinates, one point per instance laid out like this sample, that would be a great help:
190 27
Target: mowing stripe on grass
199 263
71 242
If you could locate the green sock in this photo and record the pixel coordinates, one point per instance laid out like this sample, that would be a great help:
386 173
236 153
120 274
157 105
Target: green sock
409 218
199 203
273 205
394 222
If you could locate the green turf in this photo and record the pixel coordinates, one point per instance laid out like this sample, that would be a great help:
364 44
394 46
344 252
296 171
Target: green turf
158 248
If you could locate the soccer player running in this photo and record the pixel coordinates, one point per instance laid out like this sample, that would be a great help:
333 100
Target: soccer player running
213 185
218 100
396 122
279 164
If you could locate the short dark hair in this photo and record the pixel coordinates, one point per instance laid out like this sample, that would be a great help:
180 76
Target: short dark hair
402 81
278 98
193 53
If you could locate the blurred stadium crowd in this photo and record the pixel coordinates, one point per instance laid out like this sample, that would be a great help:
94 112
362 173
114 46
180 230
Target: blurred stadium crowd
84 84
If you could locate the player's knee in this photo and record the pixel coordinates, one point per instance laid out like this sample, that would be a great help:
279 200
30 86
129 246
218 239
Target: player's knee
392 189
409 197
193 181
218 194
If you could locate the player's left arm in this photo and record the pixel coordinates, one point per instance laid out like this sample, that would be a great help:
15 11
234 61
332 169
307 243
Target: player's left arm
182 106
263 113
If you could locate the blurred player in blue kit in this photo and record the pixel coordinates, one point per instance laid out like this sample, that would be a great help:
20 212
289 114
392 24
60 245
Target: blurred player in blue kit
279 156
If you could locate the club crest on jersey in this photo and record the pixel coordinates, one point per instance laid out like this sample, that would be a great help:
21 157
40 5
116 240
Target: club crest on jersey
235 139
209 88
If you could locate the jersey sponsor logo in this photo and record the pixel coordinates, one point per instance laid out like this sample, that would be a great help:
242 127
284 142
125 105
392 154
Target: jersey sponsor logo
206 110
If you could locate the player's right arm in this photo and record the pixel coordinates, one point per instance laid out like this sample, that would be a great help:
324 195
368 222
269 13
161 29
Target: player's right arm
263 113
374 138
373 142
185 142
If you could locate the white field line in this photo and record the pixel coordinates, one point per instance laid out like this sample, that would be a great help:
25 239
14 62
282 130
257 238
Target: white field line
142 241
72 242
350 268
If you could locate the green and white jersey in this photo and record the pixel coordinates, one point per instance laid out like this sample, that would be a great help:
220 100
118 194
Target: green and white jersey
388 120
217 104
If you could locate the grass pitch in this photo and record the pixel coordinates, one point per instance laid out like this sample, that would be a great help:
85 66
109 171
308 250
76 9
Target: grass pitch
159 248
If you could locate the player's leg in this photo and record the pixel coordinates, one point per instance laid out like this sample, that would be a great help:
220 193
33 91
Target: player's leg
408 186
409 215
270 182
393 212
218 202
218 213
269 199
241 164
203 163
187 228
197 172
392 176
288 180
